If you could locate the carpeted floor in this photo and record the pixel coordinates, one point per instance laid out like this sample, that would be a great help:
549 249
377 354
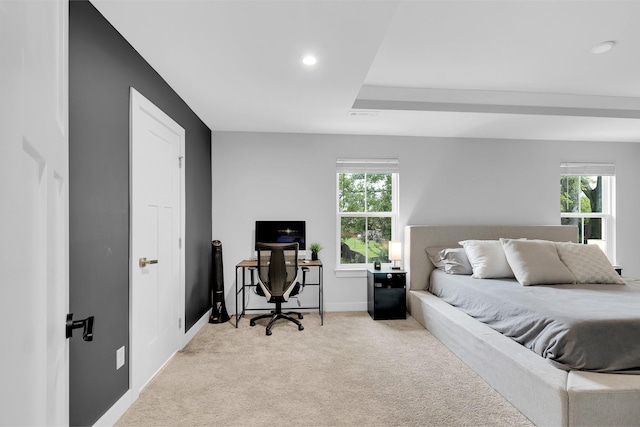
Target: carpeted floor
352 371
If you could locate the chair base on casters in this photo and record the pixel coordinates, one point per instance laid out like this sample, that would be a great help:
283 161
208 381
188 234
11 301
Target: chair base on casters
278 314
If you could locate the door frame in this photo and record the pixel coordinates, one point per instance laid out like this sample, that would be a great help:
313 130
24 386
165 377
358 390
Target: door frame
138 101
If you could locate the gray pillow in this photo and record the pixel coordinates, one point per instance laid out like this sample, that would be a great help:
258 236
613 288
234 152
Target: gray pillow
536 262
456 261
435 257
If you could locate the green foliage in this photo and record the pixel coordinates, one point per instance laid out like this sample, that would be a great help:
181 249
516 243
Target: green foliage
378 251
360 192
365 238
582 194
351 195
569 193
315 247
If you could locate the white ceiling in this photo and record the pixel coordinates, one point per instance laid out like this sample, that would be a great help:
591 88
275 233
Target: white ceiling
478 69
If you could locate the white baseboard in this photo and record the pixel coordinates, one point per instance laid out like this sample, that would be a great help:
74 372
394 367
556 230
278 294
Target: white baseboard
351 306
120 407
117 410
188 336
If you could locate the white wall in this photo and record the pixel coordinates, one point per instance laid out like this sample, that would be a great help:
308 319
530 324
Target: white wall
442 181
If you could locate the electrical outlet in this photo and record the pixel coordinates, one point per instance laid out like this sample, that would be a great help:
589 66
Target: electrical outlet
119 358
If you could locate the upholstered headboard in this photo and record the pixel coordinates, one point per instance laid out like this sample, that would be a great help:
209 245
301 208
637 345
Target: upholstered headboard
419 237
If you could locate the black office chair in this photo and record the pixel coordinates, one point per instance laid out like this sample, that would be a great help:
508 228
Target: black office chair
278 280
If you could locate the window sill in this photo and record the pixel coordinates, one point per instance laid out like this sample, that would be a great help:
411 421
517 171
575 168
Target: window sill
360 271
356 271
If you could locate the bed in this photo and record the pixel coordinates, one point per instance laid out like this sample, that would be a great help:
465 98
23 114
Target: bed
547 394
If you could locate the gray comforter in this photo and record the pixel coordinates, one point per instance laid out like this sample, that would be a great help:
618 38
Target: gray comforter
586 327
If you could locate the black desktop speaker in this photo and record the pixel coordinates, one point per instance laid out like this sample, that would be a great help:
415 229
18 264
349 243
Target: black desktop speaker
218 309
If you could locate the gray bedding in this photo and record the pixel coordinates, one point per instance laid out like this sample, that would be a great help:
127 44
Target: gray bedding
585 327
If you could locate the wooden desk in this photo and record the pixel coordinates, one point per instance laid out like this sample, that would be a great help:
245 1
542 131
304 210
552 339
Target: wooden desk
252 264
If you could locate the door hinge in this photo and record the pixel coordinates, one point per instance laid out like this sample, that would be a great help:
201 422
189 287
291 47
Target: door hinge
180 161
179 242
179 322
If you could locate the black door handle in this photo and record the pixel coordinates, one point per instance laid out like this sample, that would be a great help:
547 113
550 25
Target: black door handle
85 324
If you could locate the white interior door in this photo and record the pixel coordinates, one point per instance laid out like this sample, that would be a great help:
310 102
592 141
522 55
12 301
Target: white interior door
34 200
157 231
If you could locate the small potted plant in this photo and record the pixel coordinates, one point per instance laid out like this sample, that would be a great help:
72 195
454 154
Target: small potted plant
315 248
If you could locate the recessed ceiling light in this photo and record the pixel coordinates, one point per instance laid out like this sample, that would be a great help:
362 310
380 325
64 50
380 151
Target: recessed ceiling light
603 47
309 60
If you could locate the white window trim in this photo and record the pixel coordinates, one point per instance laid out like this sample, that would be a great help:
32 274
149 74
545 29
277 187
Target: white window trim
369 166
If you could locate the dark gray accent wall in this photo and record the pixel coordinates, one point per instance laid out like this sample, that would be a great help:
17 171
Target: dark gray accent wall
102 68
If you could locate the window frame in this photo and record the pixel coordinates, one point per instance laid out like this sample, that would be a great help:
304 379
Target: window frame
607 216
366 166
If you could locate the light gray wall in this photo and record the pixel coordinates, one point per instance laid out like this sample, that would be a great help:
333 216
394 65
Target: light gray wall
442 181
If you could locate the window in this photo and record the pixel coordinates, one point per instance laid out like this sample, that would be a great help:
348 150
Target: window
587 201
367 209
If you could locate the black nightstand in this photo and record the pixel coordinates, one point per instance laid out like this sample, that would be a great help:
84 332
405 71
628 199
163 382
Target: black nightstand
386 294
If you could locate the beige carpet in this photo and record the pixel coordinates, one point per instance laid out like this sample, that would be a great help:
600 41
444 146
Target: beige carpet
352 371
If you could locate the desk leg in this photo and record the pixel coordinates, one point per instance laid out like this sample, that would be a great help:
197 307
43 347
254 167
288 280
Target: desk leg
321 296
237 315
244 297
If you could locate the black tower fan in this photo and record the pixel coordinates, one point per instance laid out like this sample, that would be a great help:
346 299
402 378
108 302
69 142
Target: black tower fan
218 309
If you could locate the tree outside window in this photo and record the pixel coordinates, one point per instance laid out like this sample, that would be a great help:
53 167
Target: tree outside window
581 198
587 201
366 216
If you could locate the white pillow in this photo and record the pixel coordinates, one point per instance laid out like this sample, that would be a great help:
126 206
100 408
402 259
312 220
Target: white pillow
588 263
487 259
456 261
536 262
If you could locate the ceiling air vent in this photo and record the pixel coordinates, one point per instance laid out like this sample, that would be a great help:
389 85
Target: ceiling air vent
354 113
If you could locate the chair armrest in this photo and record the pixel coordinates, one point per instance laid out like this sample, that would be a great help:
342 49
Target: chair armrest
256 289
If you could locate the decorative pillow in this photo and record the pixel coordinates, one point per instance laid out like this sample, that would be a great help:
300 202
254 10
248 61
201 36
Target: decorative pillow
487 259
536 262
456 261
588 263
435 257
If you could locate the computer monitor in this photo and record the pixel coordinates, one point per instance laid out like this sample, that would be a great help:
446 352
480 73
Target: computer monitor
281 232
